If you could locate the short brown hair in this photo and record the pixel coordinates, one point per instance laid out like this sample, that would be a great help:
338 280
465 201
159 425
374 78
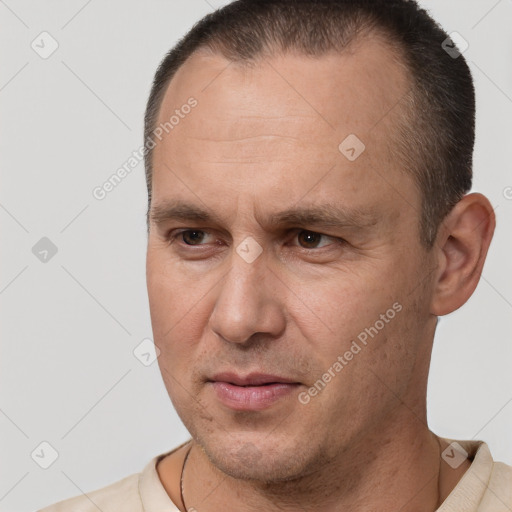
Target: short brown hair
435 141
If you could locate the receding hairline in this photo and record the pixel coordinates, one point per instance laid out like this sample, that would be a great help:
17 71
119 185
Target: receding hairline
371 32
436 125
218 48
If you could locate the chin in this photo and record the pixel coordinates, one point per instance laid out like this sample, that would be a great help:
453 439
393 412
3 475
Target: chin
264 459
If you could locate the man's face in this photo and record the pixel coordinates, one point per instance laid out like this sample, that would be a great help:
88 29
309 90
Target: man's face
263 140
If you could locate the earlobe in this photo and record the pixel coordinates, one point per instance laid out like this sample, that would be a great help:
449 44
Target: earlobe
462 244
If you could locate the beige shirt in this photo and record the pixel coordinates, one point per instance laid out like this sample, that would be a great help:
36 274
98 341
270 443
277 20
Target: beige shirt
485 487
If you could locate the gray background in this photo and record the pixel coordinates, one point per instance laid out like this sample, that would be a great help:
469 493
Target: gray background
70 325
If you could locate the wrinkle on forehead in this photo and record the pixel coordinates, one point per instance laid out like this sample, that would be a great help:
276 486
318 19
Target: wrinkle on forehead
272 131
284 109
297 81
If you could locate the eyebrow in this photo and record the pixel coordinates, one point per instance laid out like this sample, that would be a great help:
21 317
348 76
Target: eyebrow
324 215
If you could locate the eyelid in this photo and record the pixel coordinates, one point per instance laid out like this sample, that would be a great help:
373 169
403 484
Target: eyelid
335 239
173 235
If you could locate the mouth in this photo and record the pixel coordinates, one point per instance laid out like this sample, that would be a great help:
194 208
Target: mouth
252 379
253 392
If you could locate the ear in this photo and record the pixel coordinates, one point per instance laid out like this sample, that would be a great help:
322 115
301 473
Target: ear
461 245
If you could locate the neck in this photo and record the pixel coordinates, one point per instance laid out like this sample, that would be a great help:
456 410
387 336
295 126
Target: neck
395 466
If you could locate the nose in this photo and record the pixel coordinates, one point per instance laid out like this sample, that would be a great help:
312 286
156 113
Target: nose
248 303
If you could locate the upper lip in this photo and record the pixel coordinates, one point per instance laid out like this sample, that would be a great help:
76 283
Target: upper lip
252 379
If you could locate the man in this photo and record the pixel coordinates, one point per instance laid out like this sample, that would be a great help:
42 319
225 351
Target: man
308 163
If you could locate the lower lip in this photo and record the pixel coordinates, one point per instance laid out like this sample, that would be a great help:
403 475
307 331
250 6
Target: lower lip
251 398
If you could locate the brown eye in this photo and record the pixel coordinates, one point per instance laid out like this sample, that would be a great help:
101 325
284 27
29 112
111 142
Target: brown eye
309 239
192 237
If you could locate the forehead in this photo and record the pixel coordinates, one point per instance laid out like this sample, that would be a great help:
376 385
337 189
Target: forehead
285 124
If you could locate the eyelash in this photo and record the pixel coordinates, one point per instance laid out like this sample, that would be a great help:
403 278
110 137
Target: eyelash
173 236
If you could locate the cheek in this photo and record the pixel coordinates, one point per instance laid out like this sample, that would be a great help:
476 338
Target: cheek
174 294
335 313
179 314
361 343
178 319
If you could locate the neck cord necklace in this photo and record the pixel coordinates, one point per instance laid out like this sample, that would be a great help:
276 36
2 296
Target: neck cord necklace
438 504
181 480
